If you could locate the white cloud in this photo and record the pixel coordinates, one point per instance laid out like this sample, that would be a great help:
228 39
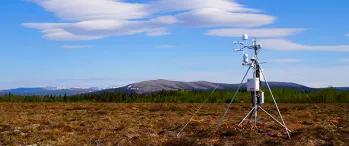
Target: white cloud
282 44
166 46
347 34
208 13
178 5
56 31
287 60
78 10
61 34
96 19
96 29
258 32
344 60
165 19
74 47
209 17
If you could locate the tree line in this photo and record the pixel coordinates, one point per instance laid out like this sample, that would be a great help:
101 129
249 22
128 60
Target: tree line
328 95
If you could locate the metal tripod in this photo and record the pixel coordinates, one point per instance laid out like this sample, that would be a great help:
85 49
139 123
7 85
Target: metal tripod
254 111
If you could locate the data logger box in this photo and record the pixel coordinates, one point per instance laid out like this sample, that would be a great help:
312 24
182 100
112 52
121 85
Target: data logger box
253 84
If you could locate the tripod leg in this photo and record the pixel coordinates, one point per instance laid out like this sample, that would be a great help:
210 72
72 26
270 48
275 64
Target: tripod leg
237 90
271 93
274 118
249 113
250 117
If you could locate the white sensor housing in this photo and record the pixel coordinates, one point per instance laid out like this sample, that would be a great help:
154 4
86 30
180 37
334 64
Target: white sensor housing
245 37
245 58
253 84
261 98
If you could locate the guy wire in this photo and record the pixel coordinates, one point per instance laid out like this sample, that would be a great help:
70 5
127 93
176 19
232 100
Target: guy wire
199 108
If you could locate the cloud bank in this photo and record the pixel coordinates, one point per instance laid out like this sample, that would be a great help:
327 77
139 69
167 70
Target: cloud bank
82 10
96 19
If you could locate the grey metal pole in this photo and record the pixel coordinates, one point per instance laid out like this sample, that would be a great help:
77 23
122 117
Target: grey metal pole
237 90
255 116
255 96
275 103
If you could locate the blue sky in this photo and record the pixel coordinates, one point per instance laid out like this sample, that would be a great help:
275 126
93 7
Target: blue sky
101 43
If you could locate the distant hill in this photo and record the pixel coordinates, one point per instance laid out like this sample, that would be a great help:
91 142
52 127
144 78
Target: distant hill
161 84
47 91
154 86
342 88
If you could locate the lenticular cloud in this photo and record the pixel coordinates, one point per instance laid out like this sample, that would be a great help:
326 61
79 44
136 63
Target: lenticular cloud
96 19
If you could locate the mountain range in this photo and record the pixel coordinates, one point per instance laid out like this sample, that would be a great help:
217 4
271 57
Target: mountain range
55 91
161 84
154 86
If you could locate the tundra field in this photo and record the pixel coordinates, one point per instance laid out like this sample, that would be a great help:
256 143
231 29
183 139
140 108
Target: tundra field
158 124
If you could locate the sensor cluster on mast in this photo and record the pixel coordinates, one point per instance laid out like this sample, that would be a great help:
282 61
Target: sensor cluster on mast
253 84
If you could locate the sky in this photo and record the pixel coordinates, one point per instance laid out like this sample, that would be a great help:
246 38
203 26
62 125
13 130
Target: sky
103 43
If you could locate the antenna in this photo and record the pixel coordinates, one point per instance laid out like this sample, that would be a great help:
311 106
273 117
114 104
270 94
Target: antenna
253 85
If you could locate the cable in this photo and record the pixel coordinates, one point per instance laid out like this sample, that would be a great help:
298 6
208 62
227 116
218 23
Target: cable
198 109
231 101
328 119
308 97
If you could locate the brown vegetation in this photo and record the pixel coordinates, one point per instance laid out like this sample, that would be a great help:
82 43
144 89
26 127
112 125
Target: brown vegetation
158 124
